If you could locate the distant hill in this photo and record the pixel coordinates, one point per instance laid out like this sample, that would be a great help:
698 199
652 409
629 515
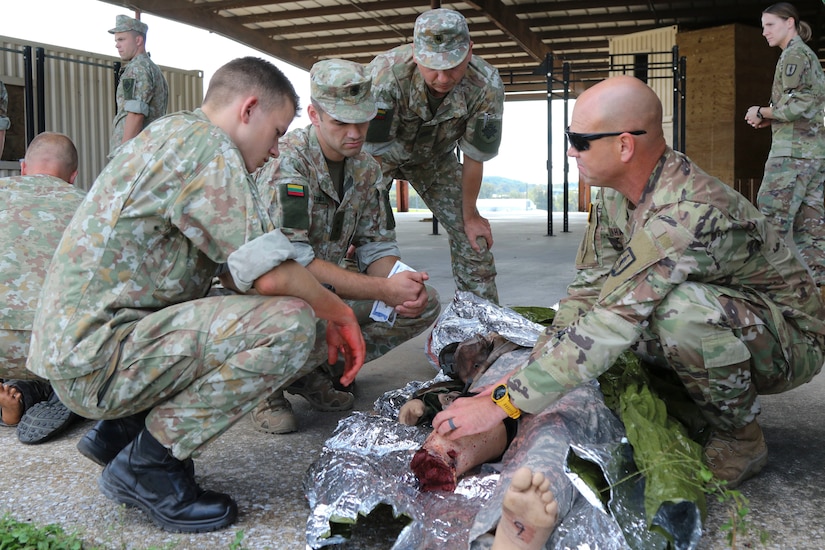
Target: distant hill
499 186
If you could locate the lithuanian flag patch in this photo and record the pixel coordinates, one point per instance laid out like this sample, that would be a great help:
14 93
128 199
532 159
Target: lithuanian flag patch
294 190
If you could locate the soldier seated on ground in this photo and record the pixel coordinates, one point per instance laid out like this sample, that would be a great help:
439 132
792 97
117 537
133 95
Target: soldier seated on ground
37 206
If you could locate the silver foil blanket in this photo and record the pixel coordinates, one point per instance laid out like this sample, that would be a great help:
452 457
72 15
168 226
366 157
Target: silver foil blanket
366 462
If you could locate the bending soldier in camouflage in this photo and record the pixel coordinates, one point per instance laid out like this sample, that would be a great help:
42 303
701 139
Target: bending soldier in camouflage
433 96
678 267
792 193
142 93
326 194
37 207
125 331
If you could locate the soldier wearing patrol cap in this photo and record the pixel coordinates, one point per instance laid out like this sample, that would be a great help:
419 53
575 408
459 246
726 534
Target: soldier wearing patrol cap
142 92
433 95
326 194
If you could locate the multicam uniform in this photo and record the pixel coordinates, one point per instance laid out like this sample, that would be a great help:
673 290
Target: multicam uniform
123 324
5 124
36 209
306 206
142 89
793 186
705 285
418 145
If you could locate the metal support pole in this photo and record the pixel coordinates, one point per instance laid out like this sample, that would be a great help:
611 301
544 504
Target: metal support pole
548 61
566 192
29 93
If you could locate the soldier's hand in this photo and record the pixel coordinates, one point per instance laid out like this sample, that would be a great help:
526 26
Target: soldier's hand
476 227
410 295
346 338
469 416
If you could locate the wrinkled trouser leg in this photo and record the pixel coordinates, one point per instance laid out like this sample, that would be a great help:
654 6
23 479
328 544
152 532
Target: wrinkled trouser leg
14 348
379 337
792 196
725 350
440 189
199 366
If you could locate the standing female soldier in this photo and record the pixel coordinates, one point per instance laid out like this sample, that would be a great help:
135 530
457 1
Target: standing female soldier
791 194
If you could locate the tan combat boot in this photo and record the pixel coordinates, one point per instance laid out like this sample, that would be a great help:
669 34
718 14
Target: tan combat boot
738 455
274 415
316 387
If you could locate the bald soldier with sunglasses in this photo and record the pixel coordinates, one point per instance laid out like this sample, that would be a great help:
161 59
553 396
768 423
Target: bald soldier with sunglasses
677 267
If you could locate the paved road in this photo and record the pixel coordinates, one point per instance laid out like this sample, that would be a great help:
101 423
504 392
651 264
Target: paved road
54 483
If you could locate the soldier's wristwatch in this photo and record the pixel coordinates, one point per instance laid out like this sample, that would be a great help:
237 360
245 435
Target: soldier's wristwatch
501 397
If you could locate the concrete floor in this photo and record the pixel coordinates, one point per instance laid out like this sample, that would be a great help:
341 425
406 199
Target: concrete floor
54 483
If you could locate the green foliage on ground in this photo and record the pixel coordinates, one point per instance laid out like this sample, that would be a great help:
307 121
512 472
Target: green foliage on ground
20 535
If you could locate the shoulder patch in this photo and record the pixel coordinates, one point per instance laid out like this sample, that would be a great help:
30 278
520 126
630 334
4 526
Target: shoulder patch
790 69
380 126
641 252
487 133
128 88
294 206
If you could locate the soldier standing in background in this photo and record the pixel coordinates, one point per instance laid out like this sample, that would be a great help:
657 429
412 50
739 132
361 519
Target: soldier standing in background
142 92
433 95
793 186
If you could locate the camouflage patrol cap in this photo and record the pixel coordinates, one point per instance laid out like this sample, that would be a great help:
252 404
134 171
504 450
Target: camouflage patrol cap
343 89
124 23
441 39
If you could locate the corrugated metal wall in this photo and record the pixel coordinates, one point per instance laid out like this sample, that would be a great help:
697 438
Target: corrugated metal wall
656 47
79 97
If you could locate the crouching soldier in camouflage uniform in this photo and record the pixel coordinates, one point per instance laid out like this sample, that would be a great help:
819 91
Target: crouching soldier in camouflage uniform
326 194
125 331
37 206
433 95
678 267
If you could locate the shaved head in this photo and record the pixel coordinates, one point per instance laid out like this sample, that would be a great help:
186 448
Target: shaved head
51 154
620 120
620 103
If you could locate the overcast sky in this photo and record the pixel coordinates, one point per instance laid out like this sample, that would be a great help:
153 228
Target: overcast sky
83 25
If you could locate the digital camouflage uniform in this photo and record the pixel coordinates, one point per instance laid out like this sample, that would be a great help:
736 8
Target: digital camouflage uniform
701 282
124 325
792 194
306 207
142 89
36 209
5 124
419 146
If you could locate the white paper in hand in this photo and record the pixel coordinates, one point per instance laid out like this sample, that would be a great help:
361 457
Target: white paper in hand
381 312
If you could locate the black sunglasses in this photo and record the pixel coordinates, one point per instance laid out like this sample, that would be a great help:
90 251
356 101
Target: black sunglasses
581 142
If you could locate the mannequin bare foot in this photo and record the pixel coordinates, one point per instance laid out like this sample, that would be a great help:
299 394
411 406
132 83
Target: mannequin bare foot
11 405
528 513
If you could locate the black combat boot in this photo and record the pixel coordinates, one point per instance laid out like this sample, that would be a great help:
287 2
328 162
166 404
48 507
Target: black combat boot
146 475
108 437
